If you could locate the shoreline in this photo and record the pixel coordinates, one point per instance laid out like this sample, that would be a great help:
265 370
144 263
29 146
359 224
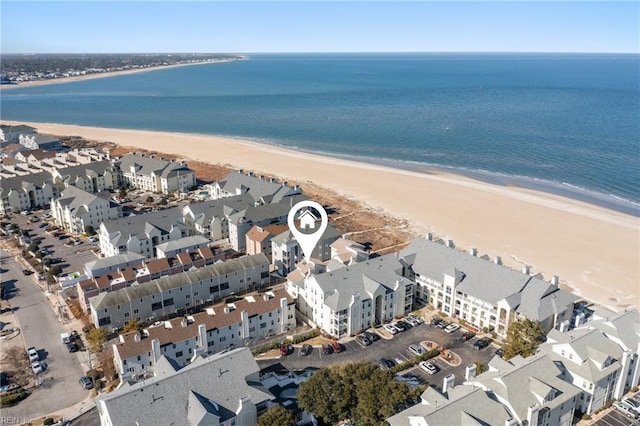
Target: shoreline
594 250
62 80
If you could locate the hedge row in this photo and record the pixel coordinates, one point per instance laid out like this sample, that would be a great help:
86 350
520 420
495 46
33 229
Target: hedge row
275 345
414 361
13 397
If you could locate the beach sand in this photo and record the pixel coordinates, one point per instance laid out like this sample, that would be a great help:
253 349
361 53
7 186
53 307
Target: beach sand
595 251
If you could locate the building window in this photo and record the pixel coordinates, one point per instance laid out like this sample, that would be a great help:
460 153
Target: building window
263 325
155 306
168 302
178 354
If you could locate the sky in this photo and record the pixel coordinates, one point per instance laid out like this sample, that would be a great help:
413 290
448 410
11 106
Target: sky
321 26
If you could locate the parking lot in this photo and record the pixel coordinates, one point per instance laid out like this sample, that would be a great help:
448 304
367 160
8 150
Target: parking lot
396 349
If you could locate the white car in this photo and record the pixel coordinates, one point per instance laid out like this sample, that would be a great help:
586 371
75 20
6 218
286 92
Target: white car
428 367
33 354
451 328
413 321
626 409
417 350
37 367
632 403
391 328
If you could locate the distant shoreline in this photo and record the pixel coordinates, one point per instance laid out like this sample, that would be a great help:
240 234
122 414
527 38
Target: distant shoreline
594 250
46 82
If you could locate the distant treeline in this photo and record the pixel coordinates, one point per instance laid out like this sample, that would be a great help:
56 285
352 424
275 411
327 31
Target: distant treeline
52 65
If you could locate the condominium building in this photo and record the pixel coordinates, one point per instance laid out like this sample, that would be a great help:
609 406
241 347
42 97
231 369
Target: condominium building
155 174
40 141
259 187
481 292
177 293
258 239
26 192
286 251
94 176
211 218
222 390
12 133
78 211
348 300
219 327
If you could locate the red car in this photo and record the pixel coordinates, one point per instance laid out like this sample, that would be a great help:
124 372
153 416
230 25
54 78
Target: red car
337 347
285 349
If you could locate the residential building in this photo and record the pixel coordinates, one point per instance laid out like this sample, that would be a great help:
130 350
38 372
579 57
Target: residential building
78 211
481 292
351 299
219 327
26 192
35 157
12 133
155 174
348 251
268 214
94 176
258 239
11 149
259 187
141 233
181 245
105 265
461 405
222 390
287 252
533 389
173 294
594 363
40 141
211 218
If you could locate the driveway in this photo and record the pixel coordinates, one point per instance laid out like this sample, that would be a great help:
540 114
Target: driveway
395 348
40 328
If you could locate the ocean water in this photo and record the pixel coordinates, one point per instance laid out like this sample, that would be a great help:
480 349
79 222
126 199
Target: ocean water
562 123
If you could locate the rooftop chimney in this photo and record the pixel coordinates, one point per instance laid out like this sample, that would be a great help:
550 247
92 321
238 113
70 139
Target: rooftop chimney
473 251
497 260
429 236
136 337
450 243
555 280
526 269
284 183
184 322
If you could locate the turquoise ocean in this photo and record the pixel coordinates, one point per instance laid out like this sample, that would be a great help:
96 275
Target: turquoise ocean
567 124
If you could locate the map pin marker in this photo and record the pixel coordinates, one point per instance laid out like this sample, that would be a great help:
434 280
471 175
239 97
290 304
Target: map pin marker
308 222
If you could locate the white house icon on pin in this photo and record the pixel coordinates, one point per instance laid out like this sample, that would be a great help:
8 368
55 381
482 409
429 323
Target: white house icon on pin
307 220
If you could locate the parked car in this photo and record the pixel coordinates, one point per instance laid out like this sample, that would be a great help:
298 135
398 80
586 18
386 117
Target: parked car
386 363
413 321
33 354
72 347
428 367
27 272
285 348
337 347
482 343
625 409
467 335
436 321
417 350
93 239
451 328
85 382
401 326
363 340
327 349
500 352
390 328
306 349
443 324
631 403
373 337
37 367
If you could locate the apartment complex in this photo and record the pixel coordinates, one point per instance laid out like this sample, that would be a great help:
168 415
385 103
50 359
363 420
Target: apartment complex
286 252
78 211
258 239
348 300
92 177
219 327
211 218
155 174
222 390
481 292
180 292
26 192
12 133
39 141
259 187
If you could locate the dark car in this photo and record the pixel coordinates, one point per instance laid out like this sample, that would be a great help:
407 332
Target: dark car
327 349
436 321
386 363
467 335
72 347
305 350
285 349
400 326
482 343
500 352
405 324
27 272
373 337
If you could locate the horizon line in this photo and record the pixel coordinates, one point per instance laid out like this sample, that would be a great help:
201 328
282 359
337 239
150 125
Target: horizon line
329 52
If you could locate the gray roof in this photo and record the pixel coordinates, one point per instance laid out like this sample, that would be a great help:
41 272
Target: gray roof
524 382
463 405
183 279
485 280
95 168
19 182
147 165
363 278
77 199
590 345
263 212
623 327
185 242
204 212
40 138
15 129
209 387
141 224
259 188
331 233
114 261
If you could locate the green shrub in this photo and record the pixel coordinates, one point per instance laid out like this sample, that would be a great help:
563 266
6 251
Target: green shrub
48 421
13 397
414 361
93 374
485 330
586 417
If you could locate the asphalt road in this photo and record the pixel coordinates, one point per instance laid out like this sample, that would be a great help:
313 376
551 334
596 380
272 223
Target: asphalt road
395 349
41 329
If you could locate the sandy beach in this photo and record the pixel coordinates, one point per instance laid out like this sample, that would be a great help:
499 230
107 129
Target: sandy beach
595 251
46 82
